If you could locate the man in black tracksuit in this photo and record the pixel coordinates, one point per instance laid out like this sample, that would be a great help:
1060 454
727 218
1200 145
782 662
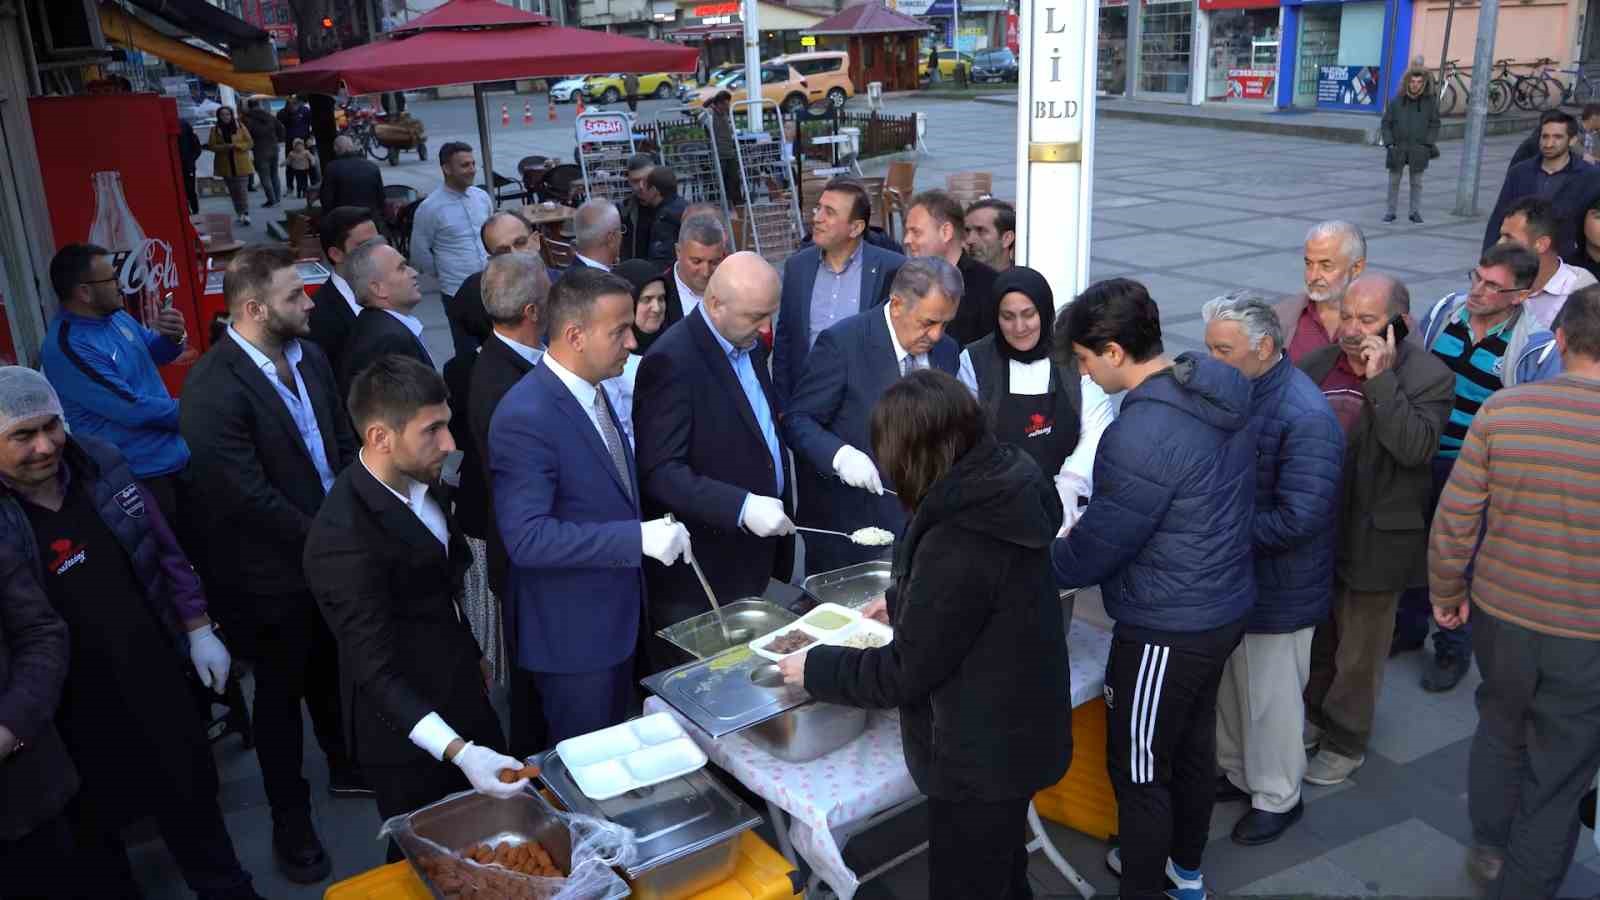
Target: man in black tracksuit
1167 537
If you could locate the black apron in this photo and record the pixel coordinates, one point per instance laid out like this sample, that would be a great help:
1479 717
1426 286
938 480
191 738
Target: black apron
126 712
1028 421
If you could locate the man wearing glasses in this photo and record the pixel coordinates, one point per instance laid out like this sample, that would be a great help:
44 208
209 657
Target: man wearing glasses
1490 340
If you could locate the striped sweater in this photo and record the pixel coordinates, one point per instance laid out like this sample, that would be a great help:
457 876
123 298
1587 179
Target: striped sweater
1528 479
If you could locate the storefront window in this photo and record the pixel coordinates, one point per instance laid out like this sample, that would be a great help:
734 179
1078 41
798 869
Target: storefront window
1319 46
1243 59
1166 32
1111 63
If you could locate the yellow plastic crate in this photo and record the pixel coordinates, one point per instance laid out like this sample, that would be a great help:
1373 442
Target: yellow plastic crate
762 874
1083 800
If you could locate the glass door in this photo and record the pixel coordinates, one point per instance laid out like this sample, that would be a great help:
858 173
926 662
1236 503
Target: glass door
1111 60
1165 41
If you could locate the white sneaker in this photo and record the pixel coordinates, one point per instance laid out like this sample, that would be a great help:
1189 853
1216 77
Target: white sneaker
1328 767
1310 736
244 220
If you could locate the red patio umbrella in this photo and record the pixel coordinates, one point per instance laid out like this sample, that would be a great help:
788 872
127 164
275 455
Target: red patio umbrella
477 41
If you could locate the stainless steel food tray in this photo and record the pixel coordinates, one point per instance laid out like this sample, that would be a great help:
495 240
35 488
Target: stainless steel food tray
461 822
850 586
702 635
727 692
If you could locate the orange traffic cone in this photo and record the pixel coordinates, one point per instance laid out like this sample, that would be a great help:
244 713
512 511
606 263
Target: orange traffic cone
579 100
550 107
505 115
527 113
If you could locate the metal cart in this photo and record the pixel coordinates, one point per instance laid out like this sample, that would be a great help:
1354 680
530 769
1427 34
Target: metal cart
771 209
605 141
689 149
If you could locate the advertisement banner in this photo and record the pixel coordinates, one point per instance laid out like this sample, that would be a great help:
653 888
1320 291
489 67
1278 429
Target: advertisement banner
1251 84
1013 27
600 128
1348 87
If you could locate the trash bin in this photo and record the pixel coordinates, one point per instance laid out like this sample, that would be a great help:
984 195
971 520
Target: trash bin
874 94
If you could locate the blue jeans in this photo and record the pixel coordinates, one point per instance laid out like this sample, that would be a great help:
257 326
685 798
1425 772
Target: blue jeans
1416 609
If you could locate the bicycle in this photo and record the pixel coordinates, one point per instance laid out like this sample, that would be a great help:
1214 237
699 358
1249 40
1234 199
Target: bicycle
1453 88
1532 91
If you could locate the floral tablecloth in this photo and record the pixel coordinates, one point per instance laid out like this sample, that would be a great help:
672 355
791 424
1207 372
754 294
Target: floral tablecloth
862 778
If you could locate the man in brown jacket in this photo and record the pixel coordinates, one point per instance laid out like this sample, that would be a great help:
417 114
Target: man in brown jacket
1336 254
1405 394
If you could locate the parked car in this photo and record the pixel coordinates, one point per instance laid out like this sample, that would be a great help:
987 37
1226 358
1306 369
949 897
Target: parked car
721 75
610 88
948 60
794 81
999 64
563 90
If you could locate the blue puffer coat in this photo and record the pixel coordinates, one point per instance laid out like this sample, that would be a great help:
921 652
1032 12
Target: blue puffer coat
1167 534
1299 462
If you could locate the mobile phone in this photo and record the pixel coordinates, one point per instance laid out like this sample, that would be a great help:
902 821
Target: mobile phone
166 301
1398 323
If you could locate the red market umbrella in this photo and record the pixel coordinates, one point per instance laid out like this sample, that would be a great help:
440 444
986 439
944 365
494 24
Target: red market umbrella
477 41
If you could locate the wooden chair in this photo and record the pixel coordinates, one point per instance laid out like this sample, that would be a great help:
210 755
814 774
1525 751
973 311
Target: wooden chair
559 181
899 185
558 254
874 188
970 187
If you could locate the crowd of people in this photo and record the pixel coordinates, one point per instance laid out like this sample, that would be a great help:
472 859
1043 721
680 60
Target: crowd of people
390 541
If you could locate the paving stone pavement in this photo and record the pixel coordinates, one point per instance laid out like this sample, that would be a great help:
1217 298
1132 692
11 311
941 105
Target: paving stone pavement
1191 212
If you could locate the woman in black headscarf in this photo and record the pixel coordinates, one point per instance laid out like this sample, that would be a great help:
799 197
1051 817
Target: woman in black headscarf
649 282
1045 408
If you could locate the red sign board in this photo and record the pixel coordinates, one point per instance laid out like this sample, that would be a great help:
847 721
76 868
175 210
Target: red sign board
707 10
1250 84
1238 4
1013 38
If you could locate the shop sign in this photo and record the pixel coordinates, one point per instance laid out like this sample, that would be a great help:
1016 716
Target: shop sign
706 10
1250 84
808 41
1112 3
913 7
602 128
1348 87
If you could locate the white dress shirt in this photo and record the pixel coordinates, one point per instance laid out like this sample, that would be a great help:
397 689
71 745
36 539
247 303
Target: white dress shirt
593 264
412 323
531 354
296 401
619 395
900 353
445 235
688 298
347 292
1544 303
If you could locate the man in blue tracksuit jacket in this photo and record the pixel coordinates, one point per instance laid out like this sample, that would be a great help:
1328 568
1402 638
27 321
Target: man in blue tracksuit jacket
1167 536
102 363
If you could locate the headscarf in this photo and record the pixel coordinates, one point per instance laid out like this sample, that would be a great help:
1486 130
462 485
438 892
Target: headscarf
640 273
25 394
1030 283
229 127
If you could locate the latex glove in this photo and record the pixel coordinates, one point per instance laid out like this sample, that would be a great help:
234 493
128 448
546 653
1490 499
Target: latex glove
482 767
856 469
664 541
764 517
210 658
1069 488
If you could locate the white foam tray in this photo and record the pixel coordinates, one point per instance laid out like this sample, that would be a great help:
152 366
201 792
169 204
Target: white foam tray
613 761
822 635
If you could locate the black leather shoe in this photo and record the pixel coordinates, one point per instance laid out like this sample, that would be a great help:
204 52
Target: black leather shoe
1261 827
1400 644
298 851
1388 217
346 781
1417 218
1227 792
1445 672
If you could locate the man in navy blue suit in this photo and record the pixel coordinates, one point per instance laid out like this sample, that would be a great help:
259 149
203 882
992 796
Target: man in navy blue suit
829 416
839 275
566 498
709 450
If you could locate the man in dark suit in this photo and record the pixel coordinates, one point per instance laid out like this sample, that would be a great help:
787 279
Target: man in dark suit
702 246
387 287
386 564
351 179
828 422
705 417
268 434
839 275
343 229
937 226
566 499
502 232
516 291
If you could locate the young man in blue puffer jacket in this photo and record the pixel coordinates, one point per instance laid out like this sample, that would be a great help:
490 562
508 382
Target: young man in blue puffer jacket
1167 537
1261 709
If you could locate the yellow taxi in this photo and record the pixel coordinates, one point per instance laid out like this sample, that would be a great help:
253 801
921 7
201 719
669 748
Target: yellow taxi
948 60
794 81
610 88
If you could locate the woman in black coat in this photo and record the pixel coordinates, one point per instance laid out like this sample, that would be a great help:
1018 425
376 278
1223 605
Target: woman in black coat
978 665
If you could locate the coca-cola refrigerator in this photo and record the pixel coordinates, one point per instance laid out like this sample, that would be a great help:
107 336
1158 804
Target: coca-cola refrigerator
113 177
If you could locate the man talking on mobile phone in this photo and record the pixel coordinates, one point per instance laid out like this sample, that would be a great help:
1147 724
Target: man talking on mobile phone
1383 534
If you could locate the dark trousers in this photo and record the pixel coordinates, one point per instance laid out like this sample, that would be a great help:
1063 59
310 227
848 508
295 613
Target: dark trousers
978 850
1416 610
1161 746
39 863
191 191
299 181
581 702
528 732
266 162
194 832
295 659
1534 754
404 789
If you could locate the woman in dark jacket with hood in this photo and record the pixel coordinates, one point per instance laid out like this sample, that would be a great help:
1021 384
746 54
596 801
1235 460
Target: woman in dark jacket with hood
1046 408
978 665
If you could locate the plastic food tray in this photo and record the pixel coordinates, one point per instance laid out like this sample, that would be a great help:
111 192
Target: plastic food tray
833 637
869 626
646 751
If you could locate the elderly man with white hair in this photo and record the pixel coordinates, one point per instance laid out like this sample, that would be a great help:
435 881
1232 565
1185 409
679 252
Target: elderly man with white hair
1335 255
351 179
599 235
1299 459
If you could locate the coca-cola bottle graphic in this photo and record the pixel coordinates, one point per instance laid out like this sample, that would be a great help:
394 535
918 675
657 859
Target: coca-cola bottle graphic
147 271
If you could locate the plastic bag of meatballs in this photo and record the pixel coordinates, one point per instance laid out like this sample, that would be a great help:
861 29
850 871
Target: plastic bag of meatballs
470 846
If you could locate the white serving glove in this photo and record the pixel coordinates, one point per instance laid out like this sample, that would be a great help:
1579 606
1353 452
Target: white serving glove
856 469
482 767
764 517
1070 488
210 658
664 541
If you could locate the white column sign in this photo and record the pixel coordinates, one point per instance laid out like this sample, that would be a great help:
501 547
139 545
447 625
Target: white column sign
1055 141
